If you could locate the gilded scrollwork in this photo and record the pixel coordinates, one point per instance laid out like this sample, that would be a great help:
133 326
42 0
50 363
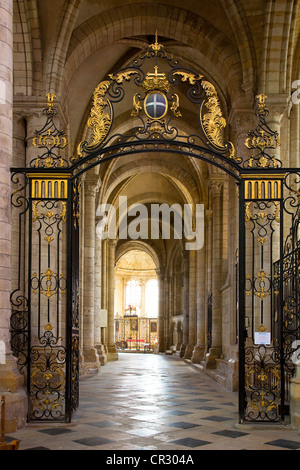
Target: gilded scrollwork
99 120
175 106
136 105
119 77
188 77
213 122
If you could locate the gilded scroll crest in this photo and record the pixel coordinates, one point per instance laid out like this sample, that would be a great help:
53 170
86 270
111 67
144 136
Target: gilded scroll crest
156 103
99 121
213 122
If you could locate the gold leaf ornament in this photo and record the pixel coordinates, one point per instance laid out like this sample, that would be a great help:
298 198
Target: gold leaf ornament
99 121
213 121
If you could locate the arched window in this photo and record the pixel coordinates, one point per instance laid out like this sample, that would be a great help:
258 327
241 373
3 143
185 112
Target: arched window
133 297
151 300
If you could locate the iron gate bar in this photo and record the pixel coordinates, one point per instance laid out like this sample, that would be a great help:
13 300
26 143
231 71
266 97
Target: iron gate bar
132 151
281 337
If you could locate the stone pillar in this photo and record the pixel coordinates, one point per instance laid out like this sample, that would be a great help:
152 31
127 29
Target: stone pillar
216 348
112 354
143 296
199 350
90 357
161 310
192 305
167 302
11 382
97 305
185 325
104 289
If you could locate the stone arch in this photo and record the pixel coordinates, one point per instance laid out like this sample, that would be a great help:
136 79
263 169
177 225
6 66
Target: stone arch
23 55
157 165
278 47
141 245
237 19
187 28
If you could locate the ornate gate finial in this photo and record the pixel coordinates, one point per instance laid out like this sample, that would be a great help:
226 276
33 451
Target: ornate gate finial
51 139
261 103
262 140
50 102
156 46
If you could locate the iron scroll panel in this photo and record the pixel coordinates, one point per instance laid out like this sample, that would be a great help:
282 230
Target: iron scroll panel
261 366
41 329
269 294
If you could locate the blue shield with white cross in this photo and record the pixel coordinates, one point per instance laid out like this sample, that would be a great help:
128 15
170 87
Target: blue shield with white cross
156 105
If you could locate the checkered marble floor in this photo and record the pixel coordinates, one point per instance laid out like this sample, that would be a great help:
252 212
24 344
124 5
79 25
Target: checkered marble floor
154 402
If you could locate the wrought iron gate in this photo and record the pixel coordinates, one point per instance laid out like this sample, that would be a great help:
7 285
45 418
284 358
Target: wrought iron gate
45 201
269 314
45 316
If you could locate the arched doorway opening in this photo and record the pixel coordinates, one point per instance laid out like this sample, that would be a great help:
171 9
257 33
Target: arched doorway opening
136 302
53 190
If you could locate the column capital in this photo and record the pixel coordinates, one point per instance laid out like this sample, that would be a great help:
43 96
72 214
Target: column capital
216 184
160 272
92 187
112 242
241 121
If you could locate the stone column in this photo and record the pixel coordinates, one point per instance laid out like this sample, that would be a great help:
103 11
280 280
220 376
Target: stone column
169 290
185 325
192 306
216 348
11 382
90 356
104 290
98 317
143 296
199 350
112 354
161 310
